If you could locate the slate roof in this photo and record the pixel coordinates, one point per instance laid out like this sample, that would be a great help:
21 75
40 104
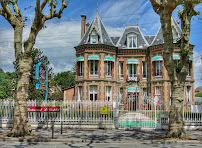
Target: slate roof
115 40
149 38
141 41
98 25
159 36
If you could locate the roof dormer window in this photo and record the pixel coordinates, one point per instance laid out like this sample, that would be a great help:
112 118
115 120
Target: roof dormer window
132 40
94 37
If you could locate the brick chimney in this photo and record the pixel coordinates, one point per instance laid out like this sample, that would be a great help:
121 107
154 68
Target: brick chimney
87 25
83 22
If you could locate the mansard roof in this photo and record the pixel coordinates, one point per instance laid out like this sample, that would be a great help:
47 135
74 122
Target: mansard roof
149 38
103 37
115 40
176 34
141 41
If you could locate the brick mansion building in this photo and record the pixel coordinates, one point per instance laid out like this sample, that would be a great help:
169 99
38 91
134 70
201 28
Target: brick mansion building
126 67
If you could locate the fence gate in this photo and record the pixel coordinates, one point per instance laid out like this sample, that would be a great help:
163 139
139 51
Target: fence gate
137 111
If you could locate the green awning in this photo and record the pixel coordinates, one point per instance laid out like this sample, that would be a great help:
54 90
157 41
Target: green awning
132 61
191 58
157 58
133 89
93 57
79 59
176 57
108 58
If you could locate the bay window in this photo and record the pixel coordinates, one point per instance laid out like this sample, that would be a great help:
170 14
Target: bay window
189 94
108 93
121 95
108 66
93 67
158 68
132 70
144 91
80 93
93 92
121 71
158 93
144 69
80 63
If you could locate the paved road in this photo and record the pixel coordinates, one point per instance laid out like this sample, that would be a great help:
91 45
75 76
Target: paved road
94 145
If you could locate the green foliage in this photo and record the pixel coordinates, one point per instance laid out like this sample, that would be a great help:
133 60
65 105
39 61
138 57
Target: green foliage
7 85
65 79
198 95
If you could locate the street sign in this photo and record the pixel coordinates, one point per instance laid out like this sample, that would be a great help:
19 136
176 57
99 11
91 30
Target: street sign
40 86
104 110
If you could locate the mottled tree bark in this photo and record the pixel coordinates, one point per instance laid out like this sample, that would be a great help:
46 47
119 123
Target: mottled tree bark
177 75
21 125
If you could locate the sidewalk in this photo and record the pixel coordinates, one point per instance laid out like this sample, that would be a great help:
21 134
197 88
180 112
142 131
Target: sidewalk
98 136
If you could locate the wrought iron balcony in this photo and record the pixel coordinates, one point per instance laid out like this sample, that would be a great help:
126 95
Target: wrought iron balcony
133 78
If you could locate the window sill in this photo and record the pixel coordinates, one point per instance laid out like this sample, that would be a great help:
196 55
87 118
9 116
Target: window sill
158 76
108 77
93 76
144 79
121 78
188 77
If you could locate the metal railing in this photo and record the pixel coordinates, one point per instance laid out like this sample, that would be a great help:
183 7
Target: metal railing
70 111
133 78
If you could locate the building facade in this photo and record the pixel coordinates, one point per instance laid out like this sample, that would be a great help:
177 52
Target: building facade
126 67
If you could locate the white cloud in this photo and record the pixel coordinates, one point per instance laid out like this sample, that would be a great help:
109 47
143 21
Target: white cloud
198 68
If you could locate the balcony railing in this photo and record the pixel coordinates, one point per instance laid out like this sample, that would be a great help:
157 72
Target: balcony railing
133 78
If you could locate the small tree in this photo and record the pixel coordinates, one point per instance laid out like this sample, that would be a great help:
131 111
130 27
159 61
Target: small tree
177 74
21 125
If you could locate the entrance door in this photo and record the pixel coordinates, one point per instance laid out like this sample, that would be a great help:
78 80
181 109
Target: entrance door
132 101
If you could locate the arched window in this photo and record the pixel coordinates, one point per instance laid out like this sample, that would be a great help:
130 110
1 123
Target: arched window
132 40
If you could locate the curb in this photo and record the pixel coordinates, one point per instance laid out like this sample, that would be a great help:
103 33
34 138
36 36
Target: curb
96 141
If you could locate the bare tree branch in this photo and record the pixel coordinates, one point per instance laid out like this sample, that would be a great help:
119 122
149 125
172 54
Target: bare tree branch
15 7
52 14
43 4
6 8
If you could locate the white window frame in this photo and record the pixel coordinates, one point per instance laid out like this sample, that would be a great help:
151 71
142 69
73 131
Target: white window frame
158 65
121 69
108 93
93 39
189 94
92 63
158 93
144 67
93 89
81 68
80 95
108 68
133 37
144 94
134 70
189 70
121 95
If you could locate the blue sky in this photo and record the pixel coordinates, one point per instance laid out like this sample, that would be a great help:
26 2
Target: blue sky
60 37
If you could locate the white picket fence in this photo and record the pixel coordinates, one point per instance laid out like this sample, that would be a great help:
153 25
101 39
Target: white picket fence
90 112
70 111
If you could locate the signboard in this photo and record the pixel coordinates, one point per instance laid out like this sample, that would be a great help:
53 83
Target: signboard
43 109
42 74
40 86
104 110
196 108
